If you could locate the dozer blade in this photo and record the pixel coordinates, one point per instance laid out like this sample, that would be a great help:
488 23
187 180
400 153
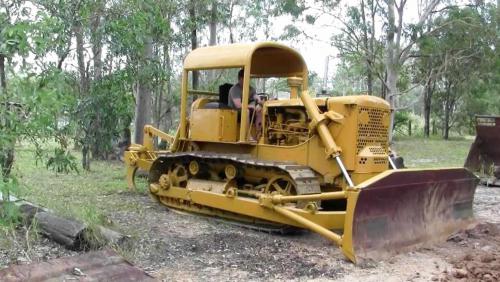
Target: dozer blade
401 209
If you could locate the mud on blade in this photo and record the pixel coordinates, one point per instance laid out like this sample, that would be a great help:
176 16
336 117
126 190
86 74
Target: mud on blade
401 209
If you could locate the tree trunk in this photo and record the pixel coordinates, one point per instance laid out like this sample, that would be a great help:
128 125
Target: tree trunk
3 77
158 101
84 90
143 99
392 61
6 152
371 46
446 128
369 82
427 114
366 47
447 111
82 70
428 91
69 232
168 105
392 77
194 40
230 21
85 157
96 38
383 90
213 34
213 24
389 64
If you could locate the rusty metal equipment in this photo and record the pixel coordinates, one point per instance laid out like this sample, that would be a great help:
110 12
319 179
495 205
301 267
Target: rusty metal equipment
484 153
104 265
321 163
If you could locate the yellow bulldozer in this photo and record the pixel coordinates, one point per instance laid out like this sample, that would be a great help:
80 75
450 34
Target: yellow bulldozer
321 164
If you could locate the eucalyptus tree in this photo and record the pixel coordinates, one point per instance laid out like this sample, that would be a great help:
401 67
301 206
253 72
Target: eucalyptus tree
466 52
32 100
13 41
381 35
359 45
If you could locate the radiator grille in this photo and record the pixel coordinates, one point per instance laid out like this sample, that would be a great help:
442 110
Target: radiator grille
374 132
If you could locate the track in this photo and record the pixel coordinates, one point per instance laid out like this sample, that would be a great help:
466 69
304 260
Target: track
305 179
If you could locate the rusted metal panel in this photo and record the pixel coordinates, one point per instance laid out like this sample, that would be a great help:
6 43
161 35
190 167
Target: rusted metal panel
485 151
409 208
104 265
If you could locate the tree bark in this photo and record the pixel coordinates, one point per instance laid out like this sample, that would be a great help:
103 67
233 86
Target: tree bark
3 77
367 52
6 152
84 89
447 111
213 24
230 21
69 232
213 33
82 70
392 58
97 40
143 98
396 55
194 40
168 105
428 92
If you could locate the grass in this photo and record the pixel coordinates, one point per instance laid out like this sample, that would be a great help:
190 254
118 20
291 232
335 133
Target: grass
68 194
87 196
433 152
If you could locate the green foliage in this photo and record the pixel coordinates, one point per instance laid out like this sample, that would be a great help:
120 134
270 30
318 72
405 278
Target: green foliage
8 185
103 114
464 50
61 161
14 38
361 50
9 213
37 111
401 120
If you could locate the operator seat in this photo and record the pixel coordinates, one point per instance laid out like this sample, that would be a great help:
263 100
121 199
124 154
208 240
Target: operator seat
224 93
223 98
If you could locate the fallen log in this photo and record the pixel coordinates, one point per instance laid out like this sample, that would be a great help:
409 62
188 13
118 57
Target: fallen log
71 233
68 232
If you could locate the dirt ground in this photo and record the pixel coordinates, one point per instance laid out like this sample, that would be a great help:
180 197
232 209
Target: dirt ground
185 247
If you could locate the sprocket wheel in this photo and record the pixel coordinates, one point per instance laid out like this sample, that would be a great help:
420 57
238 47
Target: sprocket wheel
178 176
282 185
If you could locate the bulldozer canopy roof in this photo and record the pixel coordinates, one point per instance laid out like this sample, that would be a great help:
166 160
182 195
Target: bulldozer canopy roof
265 59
